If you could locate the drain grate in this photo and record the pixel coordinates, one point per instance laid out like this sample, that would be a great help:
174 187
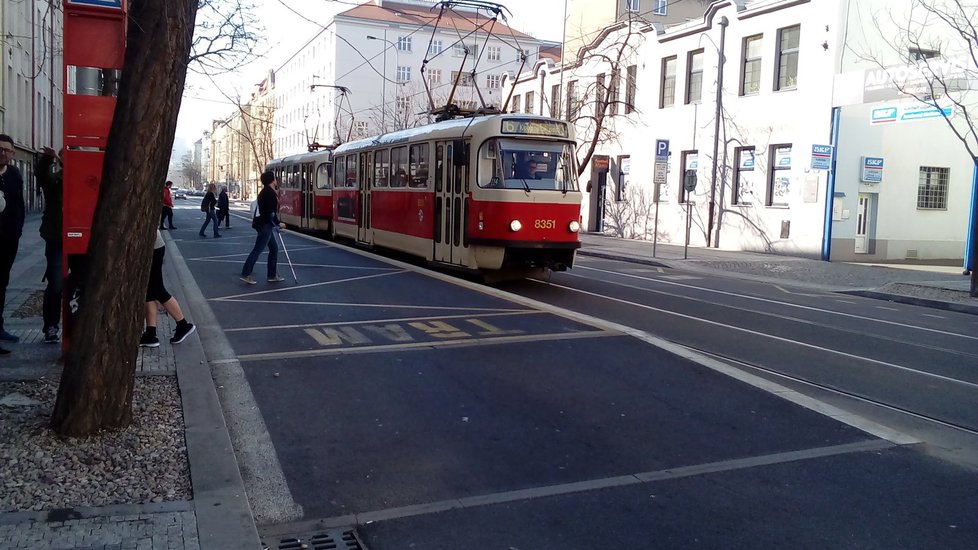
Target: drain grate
337 539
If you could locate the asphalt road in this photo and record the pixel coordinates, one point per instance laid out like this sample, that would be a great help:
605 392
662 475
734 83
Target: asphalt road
429 412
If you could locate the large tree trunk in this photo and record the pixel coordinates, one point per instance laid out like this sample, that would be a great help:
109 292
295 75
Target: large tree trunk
97 381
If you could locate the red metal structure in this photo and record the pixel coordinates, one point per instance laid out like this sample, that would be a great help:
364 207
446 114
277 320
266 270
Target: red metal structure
94 51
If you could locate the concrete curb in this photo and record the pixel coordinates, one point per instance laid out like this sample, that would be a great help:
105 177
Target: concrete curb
913 300
224 518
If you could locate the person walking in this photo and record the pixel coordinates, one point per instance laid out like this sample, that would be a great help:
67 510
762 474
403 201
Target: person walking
156 292
167 213
11 222
208 207
266 222
224 208
49 170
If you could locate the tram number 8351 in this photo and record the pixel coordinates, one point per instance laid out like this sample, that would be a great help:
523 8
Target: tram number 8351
545 224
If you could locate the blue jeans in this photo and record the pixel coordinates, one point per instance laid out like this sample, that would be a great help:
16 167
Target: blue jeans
55 280
266 237
210 215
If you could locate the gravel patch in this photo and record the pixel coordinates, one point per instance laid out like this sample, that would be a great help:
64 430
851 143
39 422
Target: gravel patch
144 463
929 293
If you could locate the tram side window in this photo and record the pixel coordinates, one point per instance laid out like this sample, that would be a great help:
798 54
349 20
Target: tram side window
322 176
294 178
399 167
351 171
419 166
381 168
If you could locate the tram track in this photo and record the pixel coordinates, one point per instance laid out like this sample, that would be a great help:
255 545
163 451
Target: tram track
738 363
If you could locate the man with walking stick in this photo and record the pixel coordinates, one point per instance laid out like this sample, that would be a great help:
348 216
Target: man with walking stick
266 223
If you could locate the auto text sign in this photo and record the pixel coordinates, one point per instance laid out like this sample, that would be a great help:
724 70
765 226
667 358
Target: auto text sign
872 170
661 150
821 157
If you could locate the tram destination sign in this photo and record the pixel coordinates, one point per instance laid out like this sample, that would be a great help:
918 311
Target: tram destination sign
551 128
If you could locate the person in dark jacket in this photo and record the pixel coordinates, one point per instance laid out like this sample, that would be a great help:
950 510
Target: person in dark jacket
48 170
11 223
267 222
208 207
224 208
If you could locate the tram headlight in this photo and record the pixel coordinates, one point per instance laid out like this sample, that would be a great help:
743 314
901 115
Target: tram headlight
574 226
515 226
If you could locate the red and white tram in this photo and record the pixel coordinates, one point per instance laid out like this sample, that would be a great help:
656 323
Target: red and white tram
305 185
490 194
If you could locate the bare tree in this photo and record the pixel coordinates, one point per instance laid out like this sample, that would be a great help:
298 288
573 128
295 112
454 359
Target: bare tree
97 381
937 47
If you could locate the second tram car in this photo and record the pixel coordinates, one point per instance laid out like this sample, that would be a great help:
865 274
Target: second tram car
305 185
490 194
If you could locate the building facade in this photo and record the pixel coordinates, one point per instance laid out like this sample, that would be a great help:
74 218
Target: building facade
31 105
747 96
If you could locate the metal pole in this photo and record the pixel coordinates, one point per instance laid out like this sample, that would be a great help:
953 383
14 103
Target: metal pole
716 133
655 226
688 216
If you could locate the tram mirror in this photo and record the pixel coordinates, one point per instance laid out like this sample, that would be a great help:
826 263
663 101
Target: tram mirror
460 153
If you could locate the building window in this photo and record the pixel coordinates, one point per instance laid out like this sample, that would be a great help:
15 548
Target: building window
435 47
750 73
667 90
744 176
659 7
691 161
932 188
613 91
917 55
434 77
492 81
464 79
528 106
403 104
788 39
360 128
572 107
516 104
555 101
403 74
779 169
694 76
631 5
631 76
404 43
520 53
624 168
459 50
494 53
600 93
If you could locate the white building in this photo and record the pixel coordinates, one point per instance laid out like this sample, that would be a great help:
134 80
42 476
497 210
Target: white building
792 78
31 111
376 52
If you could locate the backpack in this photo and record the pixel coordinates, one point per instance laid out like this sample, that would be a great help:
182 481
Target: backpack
203 204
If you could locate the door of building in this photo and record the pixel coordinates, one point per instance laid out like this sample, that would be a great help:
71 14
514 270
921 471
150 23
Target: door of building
862 223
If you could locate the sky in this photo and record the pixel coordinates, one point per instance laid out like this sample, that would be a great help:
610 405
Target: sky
286 32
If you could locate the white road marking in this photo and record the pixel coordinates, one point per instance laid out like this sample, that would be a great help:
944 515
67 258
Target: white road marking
310 285
387 321
887 308
933 316
770 301
601 483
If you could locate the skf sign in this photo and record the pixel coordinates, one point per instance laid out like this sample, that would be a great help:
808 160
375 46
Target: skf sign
872 170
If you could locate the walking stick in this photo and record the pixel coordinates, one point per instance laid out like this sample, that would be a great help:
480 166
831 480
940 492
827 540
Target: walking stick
286 250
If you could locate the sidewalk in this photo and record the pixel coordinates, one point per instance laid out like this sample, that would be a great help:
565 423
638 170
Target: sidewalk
68 494
941 287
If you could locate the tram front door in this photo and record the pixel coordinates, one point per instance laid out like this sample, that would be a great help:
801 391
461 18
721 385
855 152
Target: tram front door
451 175
364 233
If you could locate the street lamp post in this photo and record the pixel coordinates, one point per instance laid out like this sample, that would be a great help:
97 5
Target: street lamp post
383 109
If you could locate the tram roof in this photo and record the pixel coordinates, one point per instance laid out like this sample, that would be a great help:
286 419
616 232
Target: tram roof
456 128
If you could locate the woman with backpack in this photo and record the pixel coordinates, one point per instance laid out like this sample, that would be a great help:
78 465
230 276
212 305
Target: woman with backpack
208 207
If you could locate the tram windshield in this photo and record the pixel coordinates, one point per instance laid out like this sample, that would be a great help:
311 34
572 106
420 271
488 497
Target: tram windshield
528 165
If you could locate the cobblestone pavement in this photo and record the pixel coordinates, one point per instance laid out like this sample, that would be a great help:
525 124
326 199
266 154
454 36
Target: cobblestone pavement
159 531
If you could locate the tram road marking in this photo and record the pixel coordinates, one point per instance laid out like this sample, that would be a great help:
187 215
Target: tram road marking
772 337
933 316
349 304
503 312
810 295
295 264
310 285
599 484
759 299
465 342
691 355
887 308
